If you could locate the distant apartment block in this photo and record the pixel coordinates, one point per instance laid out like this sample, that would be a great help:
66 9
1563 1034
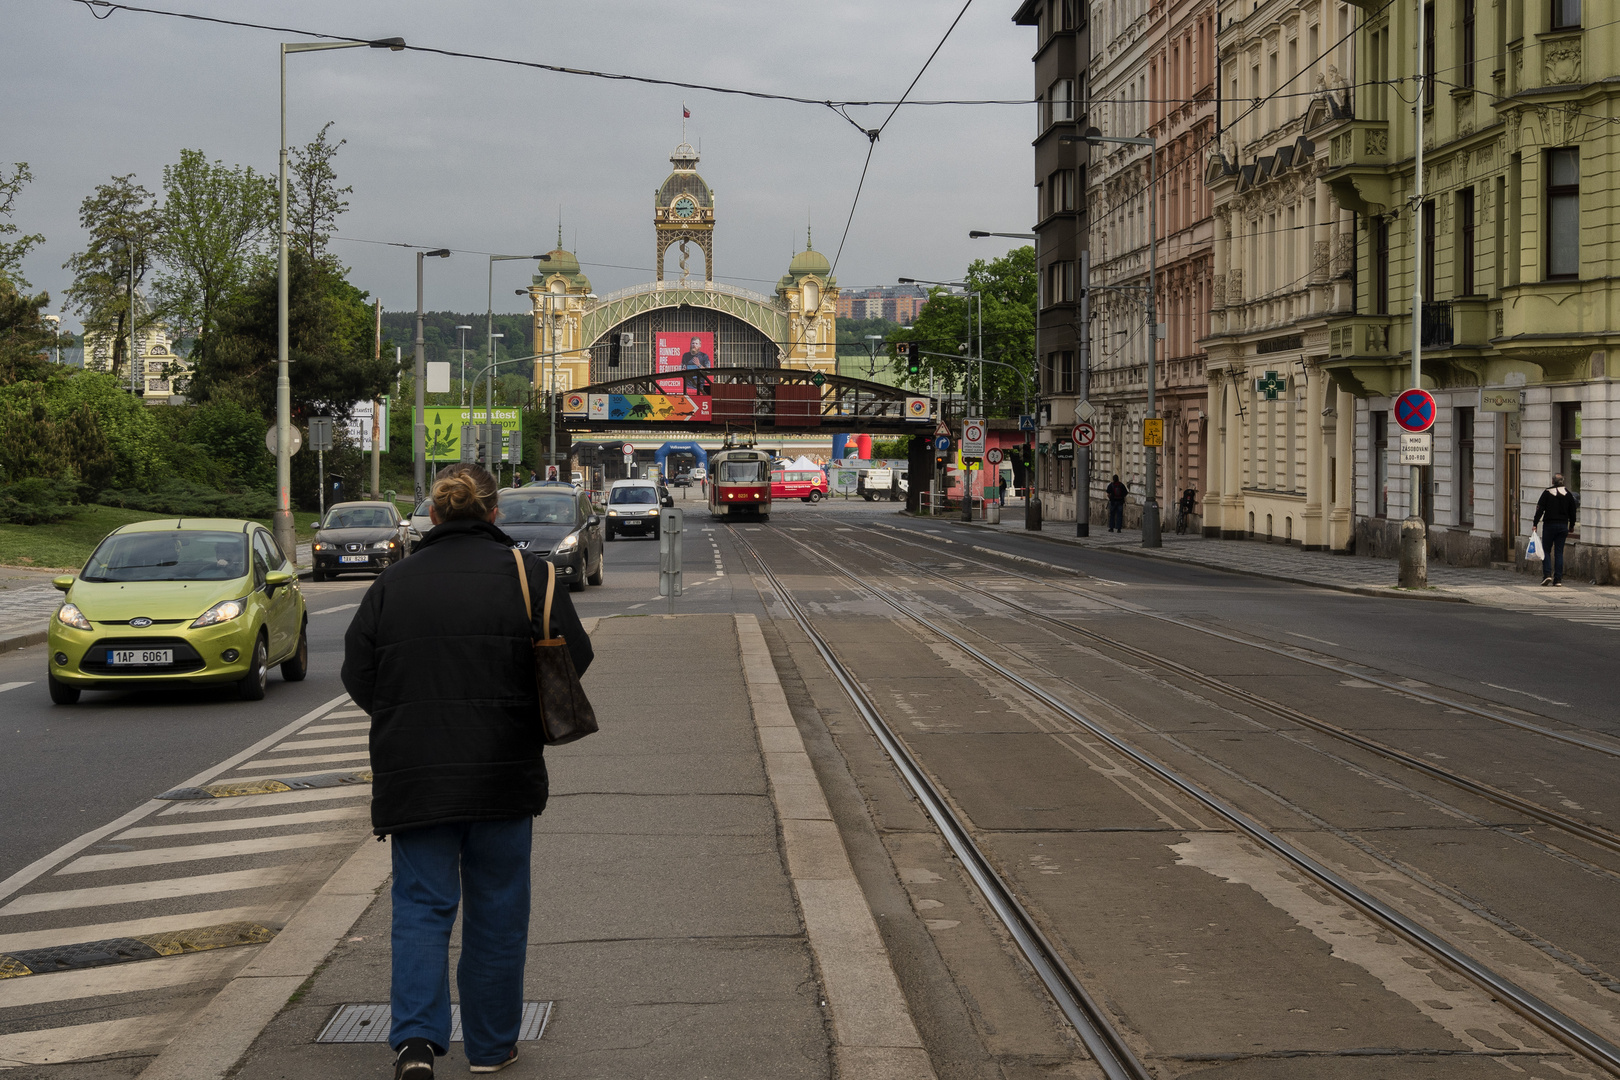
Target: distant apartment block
897 303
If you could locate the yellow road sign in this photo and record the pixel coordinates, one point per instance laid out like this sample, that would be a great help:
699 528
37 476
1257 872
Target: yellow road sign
1153 432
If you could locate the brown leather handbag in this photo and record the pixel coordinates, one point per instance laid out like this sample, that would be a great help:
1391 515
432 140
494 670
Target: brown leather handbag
565 711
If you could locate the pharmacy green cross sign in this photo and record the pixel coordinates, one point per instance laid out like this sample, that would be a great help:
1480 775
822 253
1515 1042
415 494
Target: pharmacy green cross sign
1270 385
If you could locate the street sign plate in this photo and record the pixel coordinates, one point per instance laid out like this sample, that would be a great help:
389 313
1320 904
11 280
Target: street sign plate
1084 434
1026 422
942 442
973 438
1085 410
1417 448
320 432
942 428
993 455
818 379
1153 431
296 440
1414 410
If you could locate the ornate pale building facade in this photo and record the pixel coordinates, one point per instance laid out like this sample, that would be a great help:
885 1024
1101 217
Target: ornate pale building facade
1153 75
160 372
1279 427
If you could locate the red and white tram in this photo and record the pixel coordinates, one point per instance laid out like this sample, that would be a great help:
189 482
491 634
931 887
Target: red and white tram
740 483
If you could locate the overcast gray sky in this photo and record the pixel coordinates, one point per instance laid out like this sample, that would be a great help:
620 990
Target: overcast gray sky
481 156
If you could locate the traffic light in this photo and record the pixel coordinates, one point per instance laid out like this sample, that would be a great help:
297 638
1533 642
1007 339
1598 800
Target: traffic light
908 351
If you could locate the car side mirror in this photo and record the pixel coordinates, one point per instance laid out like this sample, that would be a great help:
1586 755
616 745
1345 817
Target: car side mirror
668 500
63 582
593 520
275 579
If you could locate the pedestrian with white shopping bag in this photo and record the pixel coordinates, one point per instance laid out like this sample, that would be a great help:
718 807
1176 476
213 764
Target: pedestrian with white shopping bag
1561 508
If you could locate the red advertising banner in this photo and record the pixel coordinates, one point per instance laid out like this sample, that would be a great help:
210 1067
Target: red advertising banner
683 352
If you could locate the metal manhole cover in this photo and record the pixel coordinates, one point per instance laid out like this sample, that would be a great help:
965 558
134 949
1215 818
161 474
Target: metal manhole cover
370 1023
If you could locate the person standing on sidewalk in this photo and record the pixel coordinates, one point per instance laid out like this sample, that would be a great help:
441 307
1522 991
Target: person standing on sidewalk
1560 508
440 654
1116 493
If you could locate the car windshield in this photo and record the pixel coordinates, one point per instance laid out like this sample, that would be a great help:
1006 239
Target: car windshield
172 555
621 496
742 472
537 510
359 517
423 508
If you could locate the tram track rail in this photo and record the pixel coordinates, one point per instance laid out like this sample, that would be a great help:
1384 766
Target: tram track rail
1091 1022
1542 1014
1585 830
1609 748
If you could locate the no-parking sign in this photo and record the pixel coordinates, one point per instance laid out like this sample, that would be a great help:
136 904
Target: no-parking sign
1414 410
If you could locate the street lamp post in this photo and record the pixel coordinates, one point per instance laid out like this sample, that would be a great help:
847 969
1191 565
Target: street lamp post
489 391
419 427
463 330
1150 504
286 535
873 340
1032 507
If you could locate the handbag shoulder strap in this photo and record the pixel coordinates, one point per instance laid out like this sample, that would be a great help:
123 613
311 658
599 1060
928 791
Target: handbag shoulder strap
551 587
523 579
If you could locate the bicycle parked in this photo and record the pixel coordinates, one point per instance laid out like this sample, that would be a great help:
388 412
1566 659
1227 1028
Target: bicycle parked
1184 509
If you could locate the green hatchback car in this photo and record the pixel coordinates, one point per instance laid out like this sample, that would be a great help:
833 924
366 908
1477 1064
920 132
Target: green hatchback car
190 601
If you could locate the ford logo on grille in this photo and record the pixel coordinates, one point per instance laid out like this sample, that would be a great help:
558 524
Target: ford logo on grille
141 623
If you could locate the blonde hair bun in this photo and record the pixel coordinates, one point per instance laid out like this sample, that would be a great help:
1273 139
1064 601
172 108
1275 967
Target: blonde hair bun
464 491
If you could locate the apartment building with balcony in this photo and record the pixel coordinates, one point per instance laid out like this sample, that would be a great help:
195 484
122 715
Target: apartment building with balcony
1062 52
1279 427
1518 274
1152 75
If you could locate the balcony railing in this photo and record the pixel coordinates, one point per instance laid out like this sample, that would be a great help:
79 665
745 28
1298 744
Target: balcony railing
1437 324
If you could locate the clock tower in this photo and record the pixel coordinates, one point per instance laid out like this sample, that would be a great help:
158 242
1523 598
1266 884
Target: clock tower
683 213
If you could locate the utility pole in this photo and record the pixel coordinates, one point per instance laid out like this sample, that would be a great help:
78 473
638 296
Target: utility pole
419 428
1414 566
1082 454
376 418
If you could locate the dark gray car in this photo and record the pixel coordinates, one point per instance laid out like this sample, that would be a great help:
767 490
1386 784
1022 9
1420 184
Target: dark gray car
358 536
558 522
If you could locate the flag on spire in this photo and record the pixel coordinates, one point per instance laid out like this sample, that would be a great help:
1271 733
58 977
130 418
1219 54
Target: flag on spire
686 114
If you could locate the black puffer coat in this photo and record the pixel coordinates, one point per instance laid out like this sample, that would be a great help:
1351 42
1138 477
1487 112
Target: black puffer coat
439 654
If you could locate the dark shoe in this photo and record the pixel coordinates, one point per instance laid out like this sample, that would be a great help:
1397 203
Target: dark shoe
415 1060
497 1067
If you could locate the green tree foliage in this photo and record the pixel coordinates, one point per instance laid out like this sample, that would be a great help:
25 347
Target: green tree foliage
330 345
314 200
1007 286
12 251
123 222
216 222
442 341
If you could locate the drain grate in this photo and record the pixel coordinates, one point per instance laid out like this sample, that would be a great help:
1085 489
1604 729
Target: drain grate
370 1023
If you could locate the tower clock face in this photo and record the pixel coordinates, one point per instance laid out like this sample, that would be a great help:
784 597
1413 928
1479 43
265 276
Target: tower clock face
685 207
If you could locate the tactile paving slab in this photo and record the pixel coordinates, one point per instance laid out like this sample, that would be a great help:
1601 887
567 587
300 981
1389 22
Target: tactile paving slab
370 1023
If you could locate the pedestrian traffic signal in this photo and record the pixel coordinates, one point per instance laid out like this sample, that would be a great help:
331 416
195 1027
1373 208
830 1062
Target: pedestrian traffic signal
908 351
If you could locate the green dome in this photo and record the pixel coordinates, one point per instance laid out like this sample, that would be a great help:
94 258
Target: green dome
809 261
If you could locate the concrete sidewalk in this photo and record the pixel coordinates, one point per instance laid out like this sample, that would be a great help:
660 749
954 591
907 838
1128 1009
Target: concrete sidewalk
1375 577
694 910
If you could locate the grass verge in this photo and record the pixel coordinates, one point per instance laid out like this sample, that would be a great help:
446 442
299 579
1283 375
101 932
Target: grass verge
67 544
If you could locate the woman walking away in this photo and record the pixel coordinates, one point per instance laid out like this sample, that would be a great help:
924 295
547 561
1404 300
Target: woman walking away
440 654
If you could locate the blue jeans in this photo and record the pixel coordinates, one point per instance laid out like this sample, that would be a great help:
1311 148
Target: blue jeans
1116 516
488 861
1552 564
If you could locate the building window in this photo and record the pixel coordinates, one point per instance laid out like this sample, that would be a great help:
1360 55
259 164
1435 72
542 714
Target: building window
1066 371
1060 283
1569 444
1061 103
1564 213
1428 56
1380 463
1067 19
1465 242
1428 249
1048 374
1464 473
1060 191
1566 14
1380 266
1467 50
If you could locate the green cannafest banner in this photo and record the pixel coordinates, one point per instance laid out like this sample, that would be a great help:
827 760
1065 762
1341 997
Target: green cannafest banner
444 428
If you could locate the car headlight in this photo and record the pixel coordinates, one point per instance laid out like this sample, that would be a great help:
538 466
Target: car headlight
613 513
224 611
318 546
382 545
72 616
568 543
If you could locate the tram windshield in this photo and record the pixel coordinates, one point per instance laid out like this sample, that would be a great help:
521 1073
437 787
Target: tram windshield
743 472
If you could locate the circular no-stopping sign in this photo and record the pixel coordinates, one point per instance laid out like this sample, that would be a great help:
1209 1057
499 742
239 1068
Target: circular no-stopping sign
993 455
1414 410
1084 434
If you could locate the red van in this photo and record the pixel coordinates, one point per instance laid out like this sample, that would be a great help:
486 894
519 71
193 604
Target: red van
809 485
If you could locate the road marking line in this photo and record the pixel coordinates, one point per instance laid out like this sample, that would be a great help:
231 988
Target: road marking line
263 821
341 715
224 849
156 924
274 798
331 610
119 978
51 1046
361 725
360 756
1320 641
39 866
311 744
165 889
13 685
1528 694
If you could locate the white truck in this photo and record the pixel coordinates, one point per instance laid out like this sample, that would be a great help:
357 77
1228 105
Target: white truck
887 484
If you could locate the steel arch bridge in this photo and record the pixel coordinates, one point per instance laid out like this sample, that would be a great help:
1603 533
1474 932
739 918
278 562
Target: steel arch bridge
757 310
